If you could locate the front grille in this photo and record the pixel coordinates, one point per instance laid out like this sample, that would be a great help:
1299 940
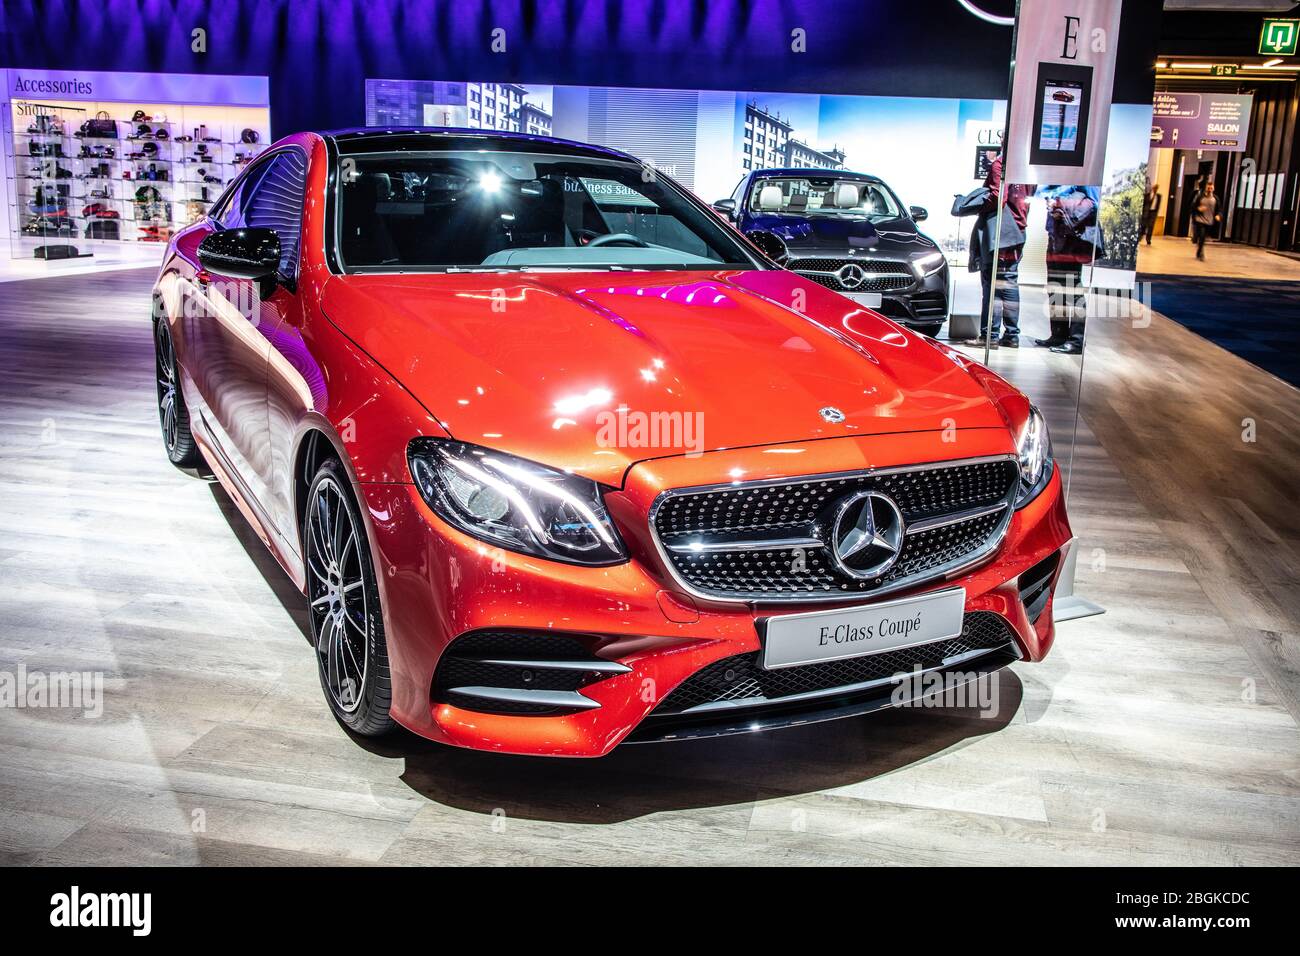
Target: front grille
767 541
882 276
742 679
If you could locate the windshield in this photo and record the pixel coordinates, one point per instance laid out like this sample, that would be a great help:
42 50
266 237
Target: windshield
800 196
483 209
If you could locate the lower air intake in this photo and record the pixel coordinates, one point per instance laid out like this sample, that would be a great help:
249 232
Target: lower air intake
529 673
741 680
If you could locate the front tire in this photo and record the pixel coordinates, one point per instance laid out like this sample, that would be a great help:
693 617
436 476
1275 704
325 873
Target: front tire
347 626
930 330
173 416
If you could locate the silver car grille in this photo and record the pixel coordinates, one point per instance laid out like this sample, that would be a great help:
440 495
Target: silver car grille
870 275
769 542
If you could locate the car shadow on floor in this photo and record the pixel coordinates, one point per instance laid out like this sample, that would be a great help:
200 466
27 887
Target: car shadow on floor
636 780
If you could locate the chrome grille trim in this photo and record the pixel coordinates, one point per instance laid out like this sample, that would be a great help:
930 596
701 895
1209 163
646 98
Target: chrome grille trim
584 667
944 571
537 698
764 544
929 524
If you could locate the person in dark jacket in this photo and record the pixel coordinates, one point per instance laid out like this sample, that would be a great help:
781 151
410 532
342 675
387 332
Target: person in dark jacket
1150 211
1073 241
1205 213
1001 291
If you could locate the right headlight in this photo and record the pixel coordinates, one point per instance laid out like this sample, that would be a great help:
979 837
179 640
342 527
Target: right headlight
1035 451
928 264
515 503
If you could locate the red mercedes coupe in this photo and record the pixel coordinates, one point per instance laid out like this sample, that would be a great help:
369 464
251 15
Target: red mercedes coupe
559 460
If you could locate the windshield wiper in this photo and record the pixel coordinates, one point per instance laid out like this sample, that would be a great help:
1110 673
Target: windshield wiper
481 269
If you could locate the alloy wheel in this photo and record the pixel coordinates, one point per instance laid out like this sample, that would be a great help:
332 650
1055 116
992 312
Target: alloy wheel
166 375
339 608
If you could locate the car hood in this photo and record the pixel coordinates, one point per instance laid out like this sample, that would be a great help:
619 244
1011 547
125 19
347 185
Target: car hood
835 235
595 371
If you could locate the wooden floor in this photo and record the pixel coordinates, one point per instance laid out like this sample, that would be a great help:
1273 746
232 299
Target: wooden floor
1163 732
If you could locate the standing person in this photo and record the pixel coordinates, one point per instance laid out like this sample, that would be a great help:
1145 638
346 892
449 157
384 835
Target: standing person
1150 210
1002 289
1073 240
1196 198
1205 213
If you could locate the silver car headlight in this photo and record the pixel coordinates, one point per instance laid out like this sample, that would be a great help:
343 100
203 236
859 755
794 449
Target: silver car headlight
1035 452
517 504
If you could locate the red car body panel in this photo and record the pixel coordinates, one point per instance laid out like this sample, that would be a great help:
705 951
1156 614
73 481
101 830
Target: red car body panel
732 347
369 362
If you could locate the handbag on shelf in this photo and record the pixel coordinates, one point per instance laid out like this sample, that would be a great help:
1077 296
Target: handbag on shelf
103 229
61 251
102 126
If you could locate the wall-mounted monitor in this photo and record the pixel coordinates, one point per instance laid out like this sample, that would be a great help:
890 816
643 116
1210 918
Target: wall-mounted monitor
1064 92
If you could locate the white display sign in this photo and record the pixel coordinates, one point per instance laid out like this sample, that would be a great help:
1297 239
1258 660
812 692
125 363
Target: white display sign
795 639
1061 91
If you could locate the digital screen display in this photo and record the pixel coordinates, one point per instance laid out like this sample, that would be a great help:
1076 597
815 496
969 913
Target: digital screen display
1059 131
1061 114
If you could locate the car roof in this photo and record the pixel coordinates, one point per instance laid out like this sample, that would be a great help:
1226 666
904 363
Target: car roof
814 172
397 138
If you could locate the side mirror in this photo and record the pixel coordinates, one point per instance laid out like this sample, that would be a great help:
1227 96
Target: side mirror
247 253
918 212
727 207
770 244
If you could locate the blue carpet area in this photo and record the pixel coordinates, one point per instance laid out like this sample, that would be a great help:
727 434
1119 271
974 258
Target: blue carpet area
1255 319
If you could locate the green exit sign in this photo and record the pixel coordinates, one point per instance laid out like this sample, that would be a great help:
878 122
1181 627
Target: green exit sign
1224 69
1278 37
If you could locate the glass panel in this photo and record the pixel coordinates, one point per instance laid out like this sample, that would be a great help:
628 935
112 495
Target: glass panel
1037 302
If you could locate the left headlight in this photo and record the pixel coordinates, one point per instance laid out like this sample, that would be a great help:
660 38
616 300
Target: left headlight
928 264
1035 451
517 504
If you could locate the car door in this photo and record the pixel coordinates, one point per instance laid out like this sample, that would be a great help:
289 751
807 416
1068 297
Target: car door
229 334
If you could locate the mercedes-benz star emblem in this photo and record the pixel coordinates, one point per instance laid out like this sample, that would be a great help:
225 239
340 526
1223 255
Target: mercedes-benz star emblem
831 414
868 535
851 275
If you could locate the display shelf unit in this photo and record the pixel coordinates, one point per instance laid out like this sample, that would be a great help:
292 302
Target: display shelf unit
116 173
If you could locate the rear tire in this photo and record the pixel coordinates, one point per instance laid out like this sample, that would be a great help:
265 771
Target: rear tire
173 416
347 625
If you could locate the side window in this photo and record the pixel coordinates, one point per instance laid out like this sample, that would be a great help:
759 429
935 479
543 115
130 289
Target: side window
271 197
231 212
738 194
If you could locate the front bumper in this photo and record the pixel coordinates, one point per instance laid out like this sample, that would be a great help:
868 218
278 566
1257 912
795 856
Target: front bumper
438 584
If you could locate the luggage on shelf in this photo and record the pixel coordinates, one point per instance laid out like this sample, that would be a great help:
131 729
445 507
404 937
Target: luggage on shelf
59 251
103 229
